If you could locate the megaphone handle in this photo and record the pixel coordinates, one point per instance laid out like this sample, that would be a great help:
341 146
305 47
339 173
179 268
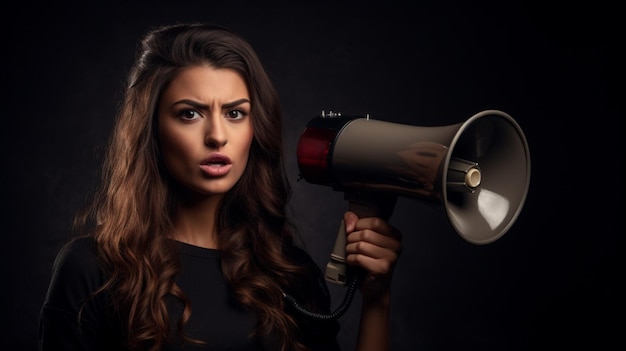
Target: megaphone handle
364 205
336 270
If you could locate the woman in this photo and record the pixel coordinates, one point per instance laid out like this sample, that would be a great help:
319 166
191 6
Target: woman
187 244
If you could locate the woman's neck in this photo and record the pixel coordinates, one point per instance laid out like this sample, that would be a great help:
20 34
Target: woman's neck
195 222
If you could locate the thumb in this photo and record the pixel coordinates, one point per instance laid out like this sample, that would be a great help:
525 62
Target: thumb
350 218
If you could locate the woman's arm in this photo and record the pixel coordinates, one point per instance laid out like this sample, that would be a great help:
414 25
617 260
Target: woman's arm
374 247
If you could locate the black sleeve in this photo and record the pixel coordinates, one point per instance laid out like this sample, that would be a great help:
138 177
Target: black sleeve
312 292
75 275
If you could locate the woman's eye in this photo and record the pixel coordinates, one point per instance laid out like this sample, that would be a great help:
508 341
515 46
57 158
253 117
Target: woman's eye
235 114
189 114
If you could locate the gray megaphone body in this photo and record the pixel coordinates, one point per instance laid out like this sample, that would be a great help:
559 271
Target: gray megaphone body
479 170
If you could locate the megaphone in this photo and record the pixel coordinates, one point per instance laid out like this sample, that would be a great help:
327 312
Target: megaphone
478 170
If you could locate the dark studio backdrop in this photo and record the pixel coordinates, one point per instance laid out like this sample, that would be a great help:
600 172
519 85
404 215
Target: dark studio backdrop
552 281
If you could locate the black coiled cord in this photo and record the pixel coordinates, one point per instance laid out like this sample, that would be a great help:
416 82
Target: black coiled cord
341 309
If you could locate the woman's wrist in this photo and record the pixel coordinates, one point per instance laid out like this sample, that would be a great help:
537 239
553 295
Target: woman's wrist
380 301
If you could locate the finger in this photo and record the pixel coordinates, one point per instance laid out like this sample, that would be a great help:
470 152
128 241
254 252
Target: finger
371 250
375 238
350 219
374 266
377 224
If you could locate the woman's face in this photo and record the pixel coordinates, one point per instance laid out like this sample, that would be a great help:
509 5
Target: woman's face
204 129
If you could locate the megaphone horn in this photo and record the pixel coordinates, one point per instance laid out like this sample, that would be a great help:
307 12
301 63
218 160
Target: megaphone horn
478 169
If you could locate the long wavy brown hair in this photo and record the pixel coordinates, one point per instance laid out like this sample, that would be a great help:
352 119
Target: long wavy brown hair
133 210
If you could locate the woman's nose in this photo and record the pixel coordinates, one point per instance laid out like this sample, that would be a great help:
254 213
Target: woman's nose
215 134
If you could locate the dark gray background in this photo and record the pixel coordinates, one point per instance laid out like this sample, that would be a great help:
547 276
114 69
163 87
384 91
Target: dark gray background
551 281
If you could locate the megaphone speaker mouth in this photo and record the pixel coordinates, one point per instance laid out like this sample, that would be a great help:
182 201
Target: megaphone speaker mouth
495 141
478 169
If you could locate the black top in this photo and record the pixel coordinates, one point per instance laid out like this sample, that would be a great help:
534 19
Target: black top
215 317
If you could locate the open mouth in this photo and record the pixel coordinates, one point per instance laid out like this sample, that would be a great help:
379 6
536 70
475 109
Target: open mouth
217 161
216 165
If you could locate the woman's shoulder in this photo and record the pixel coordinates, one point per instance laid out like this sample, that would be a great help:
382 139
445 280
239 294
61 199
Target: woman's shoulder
76 277
75 271
78 254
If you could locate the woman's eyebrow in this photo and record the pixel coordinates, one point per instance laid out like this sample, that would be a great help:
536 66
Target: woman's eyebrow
193 103
199 105
235 103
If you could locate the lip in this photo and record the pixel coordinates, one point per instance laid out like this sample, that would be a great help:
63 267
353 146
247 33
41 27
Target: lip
216 165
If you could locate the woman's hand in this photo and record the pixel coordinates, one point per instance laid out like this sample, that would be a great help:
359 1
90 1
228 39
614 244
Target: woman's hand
375 246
